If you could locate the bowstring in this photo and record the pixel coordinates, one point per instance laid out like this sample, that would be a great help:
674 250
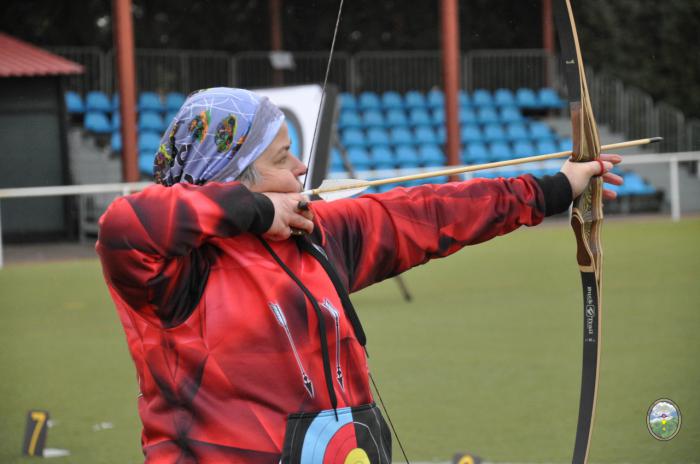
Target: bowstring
312 153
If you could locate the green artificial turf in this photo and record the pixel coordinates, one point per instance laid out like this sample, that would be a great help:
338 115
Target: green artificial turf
486 358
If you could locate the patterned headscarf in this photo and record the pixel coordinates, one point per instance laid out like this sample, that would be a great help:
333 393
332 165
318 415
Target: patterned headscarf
216 134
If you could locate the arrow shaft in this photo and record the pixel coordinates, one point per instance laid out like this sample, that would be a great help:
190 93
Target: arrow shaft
477 167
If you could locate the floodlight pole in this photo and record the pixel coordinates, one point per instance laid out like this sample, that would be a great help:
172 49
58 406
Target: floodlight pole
450 71
548 40
275 11
124 44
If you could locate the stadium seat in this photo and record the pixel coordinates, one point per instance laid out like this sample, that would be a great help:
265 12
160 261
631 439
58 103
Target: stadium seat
503 97
470 133
349 119
336 161
487 115
425 135
169 116
382 158
149 142
431 156
525 98
464 100
377 137
115 102
150 101
438 116
522 148
401 136
500 151
545 146
173 101
482 98
548 98
441 134
392 100
494 133
566 144
419 117
467 116
146 159
510 114
116 121
540 130
97 123
352 138
359 158
396 118
414 99
407 157
97 101
369 101
436 99
475 153
373 118
517 132
150 121
116 142
348 101
74 103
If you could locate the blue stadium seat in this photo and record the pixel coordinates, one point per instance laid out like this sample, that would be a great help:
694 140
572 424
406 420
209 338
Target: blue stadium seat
407 157
149 142
436 99
525 98
467 116
438 116
336 161
414 99
150 101
475 153
470 133
431 156
545 146
522 148
115 102
146 159
168 118
419 117
500 151
548 98
150 121
116 121
173 101
349 119
377 137
392 100
352 138
369 101
482 98
487 115
382 158
517 132
540 130
510 114
503 97
116 142
441 134
359 158
373 118
494 133
566 144
396 118
464 100
97 101
74 103
97 123
425 135
348 101
401 136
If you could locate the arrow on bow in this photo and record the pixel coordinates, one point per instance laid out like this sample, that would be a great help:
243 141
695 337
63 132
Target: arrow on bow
586 221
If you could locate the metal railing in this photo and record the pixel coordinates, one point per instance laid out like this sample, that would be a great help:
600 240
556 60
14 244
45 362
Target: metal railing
623 109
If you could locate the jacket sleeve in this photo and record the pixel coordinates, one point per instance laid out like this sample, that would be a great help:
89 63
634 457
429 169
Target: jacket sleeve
150 243
379 236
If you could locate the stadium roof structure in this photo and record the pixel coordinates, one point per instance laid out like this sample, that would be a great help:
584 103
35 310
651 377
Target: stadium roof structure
21 59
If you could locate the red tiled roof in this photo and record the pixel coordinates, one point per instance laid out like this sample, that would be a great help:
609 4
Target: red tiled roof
19 58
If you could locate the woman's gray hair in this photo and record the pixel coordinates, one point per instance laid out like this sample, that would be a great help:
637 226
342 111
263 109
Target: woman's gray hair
249 176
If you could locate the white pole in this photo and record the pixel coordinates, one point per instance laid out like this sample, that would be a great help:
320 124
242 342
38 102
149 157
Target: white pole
675 193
